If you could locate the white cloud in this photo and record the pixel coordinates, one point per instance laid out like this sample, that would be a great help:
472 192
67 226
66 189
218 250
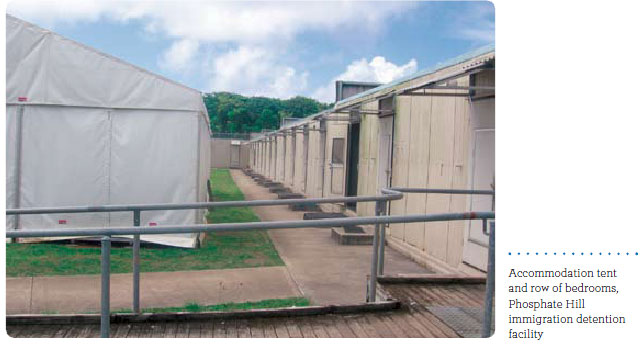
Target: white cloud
254 70
217 21
376 70
179 56
245 26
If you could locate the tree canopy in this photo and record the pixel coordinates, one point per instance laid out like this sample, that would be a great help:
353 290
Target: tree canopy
234 113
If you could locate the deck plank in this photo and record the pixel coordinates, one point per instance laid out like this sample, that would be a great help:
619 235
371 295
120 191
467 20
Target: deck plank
269 330
256 329
243 330
219 329
170 330
318 328
355 326
413 319
280 328
305 327
383 330
343 327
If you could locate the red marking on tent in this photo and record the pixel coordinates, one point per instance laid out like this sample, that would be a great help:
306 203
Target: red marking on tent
153 223
22 99
62 222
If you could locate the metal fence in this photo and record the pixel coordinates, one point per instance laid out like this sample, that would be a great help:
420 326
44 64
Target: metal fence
379 220
233 136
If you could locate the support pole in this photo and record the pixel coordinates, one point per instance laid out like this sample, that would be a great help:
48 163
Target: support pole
17 167
489 287
136 263
374 260
381 243
105 286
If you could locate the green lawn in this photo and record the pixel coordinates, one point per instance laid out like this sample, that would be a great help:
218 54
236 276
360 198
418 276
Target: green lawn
225 307
218 251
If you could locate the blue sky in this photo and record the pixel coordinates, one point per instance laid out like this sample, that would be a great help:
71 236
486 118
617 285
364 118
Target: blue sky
275 49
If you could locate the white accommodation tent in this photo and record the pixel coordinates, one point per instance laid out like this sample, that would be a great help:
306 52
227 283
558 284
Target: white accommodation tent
85 128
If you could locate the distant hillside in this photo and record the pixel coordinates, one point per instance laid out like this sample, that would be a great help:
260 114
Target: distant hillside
233 113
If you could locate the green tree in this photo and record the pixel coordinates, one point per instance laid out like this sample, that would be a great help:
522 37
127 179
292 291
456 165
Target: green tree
234 113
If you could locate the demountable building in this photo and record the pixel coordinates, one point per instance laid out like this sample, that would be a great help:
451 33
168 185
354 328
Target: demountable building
85 128
434 129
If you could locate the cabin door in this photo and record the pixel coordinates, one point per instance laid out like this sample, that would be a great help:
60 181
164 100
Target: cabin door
476 245
336 159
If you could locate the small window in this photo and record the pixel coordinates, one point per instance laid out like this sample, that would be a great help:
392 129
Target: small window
337 151
386 107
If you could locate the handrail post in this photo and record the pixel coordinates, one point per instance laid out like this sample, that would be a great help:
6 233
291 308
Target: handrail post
374 259
105 286
381 243
136 263
489 287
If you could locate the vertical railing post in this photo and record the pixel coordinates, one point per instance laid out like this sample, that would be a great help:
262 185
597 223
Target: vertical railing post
374 259
489 287
105 286
381 243
136 264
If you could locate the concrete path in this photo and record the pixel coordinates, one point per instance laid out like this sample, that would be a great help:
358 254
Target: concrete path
326 272
81 293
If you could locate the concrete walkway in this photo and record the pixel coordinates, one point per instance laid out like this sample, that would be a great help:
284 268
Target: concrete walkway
326 272
81 293
316 267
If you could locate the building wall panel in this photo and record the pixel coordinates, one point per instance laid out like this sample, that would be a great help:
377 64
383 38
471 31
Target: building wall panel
419 149
441 159
400 159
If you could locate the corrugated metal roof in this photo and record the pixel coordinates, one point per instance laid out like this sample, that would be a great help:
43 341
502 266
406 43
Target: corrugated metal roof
293 124
451 62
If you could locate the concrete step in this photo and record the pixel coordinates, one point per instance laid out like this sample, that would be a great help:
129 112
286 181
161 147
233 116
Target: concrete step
304 207
352 235
279 189
321 215
270 184
289 195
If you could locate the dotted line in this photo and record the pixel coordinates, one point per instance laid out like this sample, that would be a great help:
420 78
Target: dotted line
573 253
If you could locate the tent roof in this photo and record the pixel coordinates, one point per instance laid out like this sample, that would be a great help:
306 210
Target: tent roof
45 68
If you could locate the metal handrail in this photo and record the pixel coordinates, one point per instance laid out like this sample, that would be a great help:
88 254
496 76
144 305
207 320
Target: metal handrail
244 226
377 265
388 194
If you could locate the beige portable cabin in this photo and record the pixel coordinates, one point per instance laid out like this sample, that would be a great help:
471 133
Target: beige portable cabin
301 157
434 129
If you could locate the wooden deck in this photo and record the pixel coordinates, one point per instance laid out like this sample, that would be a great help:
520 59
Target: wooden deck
428 310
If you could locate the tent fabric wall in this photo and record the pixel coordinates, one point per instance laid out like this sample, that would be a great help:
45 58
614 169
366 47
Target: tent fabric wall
65 155
96 130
